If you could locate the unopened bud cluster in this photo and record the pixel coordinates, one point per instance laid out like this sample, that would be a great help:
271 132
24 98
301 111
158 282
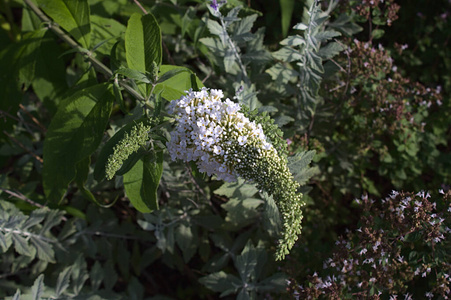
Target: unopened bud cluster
224 142
130 143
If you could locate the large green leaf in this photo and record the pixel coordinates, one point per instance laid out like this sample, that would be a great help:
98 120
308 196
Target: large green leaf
32 42
74 133
10 93
174 87
72 16
143 43
49 82
141 182
104 33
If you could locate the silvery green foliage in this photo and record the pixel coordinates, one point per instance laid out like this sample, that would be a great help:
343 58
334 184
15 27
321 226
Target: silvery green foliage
248 284
237 51
301 60
30 235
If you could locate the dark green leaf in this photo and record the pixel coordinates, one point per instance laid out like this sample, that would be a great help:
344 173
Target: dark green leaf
74 133
96 276
104 33
29 55
377 33
72 16
142 181
187 240
221 282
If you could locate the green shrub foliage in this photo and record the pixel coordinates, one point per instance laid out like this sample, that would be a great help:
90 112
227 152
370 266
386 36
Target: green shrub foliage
340 99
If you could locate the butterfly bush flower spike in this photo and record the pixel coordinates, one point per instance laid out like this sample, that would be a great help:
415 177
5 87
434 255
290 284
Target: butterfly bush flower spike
222 141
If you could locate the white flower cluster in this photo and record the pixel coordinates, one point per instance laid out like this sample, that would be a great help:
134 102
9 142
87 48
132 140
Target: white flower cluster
209 130
223 141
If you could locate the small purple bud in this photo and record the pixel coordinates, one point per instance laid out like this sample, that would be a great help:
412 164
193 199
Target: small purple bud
214 5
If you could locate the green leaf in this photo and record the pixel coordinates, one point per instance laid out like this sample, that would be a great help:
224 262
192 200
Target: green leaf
79 274
36 217
281 74
29 55
286 8
241 213
288 54
49 82
38 288
327 35
16 295
238 189
314 61
175 86
171 73
142 181
96 276
21 245
187 240
45 250
9 60
143 43
377 33
246 262
293 40
300 26
299 166
72 16
74 133
133 74
242 33
330 50
63 280
222 282
4 242
104 33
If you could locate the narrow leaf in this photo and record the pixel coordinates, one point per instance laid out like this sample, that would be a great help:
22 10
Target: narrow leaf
133 74
38 288
63 280
16 295
79 274
286 8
